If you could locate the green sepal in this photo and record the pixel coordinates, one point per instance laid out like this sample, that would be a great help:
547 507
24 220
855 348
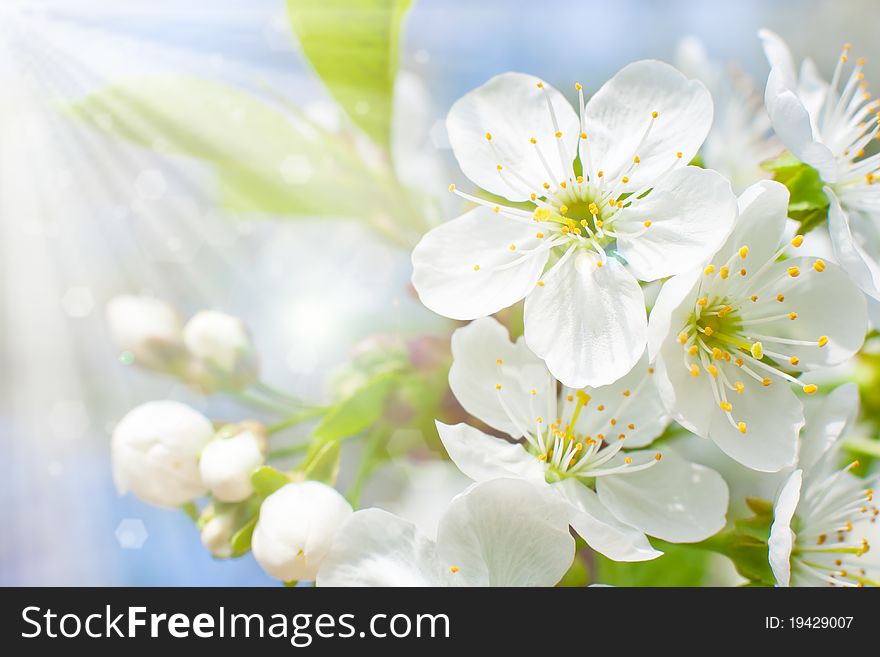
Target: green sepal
266 480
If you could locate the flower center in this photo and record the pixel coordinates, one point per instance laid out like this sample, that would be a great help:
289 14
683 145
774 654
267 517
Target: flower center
725 335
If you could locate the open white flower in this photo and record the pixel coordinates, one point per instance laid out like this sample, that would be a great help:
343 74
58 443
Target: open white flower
610 202
296 528
148 329
155 450
226 463
741 138
730 339
828 126
575 442
504 532
824 517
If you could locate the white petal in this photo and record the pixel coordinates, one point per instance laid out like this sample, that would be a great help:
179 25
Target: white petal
476 351
828 419
669 309
618 115
376 548
674 500
826 304
481 456
599 528
773 417
863 269
505 532
632 400
781 535
779 56
691 211
513 109
445 259
760 225
587 322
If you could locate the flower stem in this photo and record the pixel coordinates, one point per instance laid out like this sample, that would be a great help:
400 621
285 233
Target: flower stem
297 418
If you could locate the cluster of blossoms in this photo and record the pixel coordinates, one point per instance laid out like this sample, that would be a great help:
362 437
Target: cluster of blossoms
575 426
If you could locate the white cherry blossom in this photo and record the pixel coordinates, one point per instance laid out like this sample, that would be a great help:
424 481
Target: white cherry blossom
603 199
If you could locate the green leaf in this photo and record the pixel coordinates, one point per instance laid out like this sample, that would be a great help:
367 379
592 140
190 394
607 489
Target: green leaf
864 446
358 411
807 203
190 509
241 540
266 480
354 46
267 160
679 566
323 464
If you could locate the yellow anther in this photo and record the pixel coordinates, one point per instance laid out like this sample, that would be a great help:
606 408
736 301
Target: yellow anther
563 209
636 160
500 361
695 371
627 460
546 185
583 135
797 241
654 115
454 569
489 136
452 187
533 140
792 316
594 209
580 179
600 173
600 263
819 265
682 337
600 407
708 331
565 229
794 272
811 388
496 209
743 252
577 85
624 180
742 272
854 464
558 134
539 419
614 422
542 457
678 155
540 236
794 360
702 301
740 388
727 356
512 247
658 456
563 184
632 427
534 392
780 298
533 196
540 85
497 386
726 406
766 382
742 427
626 393
716 353
739 362
692 350
724 272
542 214
754 297
569 398
713 370
476 267
709 270
540 283
647 224
757 350
823 340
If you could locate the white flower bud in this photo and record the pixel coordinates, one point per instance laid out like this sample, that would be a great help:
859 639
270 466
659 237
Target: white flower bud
148 328
217 532
223 347
227 463
296 529
155 450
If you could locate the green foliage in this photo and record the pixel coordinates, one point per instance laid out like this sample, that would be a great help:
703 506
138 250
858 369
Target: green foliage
577 576
241 540
354 47
359 410
266 480
266 160
808 203
679 566
322 464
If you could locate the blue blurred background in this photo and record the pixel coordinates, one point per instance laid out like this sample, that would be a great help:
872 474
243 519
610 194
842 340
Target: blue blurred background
84 219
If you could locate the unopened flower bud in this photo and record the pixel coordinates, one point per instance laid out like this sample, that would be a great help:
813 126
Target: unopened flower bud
222 347
217 530
227 462
155 450
296 529
148 329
